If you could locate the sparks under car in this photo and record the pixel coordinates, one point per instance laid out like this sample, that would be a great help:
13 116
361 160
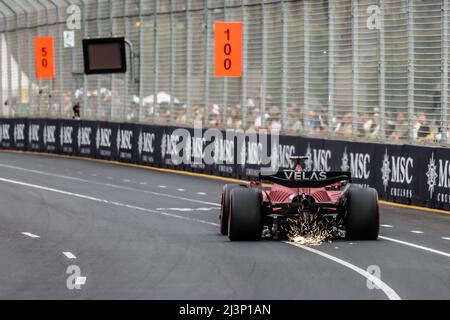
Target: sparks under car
253 211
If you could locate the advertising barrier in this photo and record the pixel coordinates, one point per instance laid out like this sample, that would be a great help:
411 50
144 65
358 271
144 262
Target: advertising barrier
409 174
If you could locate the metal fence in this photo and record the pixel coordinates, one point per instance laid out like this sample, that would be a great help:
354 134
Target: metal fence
354 69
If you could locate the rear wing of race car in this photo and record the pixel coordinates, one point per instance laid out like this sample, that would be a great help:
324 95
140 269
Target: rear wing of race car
307 179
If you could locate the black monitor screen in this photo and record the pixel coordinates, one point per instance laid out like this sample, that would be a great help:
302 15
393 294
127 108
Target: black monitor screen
105 55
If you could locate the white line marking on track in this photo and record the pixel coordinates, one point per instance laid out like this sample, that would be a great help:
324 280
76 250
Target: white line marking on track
386 289
445 254
390 293
181 190
126 180
445 238
179 198
109 178
201 193
69 255
386 226
28 234
416 231
143 183
187 209
111 185
119 204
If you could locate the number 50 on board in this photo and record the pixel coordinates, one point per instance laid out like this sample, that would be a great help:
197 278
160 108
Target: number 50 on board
44 57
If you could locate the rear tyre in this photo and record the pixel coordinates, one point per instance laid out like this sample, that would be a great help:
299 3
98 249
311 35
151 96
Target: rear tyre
363 214
225 206
245 220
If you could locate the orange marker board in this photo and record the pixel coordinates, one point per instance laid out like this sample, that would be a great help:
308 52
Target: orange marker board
44 57
228 49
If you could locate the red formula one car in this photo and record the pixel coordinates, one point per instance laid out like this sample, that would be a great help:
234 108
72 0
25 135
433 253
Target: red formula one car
253 211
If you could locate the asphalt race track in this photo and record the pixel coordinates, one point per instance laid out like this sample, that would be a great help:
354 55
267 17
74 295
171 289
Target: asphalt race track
143 234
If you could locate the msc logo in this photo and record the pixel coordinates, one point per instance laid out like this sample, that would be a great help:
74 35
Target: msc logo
33 134
438 175
396 169
223 151
169 144
84 136
49 134
281 156
104 137
318 159
66 135
359 164
146 142
19 132
124 138
4 132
